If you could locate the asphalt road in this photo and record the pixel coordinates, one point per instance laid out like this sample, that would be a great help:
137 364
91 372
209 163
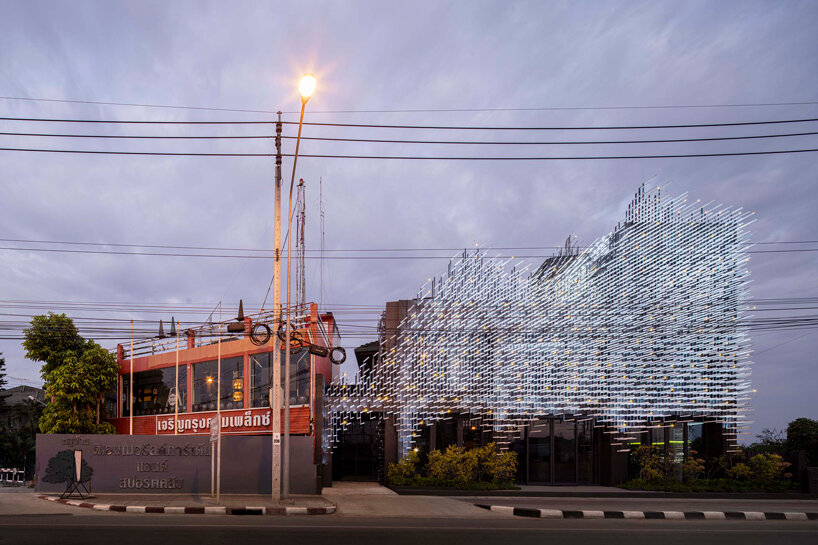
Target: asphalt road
126 529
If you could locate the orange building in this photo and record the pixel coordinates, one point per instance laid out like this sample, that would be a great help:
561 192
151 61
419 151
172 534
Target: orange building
224 368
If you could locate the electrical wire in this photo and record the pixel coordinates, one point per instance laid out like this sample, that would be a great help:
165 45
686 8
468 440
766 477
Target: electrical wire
414 158
349 257
418 110
422 127
270 250
393 141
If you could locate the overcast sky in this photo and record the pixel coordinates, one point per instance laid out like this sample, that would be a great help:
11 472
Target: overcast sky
375 56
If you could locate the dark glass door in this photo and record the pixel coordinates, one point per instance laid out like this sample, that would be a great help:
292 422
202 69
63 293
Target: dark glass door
356 456
565 452
585 450
539 453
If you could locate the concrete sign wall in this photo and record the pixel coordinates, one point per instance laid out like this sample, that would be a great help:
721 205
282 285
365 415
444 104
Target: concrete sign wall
169 464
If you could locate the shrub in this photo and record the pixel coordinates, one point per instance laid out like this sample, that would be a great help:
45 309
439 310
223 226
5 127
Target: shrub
404 469
768 467
504 466
740 472
647 458
692 468
458 467
455 464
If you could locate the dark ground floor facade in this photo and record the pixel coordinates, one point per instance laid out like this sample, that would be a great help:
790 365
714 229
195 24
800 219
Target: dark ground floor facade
549 451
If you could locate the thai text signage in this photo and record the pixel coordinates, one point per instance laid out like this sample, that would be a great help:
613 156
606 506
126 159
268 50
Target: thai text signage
167 464
238 421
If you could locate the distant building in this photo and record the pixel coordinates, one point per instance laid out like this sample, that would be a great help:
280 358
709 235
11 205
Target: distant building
13 398
637 338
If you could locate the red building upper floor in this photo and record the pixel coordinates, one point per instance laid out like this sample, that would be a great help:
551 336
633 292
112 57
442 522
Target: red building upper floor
224 368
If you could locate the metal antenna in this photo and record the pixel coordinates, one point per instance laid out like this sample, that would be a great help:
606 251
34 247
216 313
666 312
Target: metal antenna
300 224
323 235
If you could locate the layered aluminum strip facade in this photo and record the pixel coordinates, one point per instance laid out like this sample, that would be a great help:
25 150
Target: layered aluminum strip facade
643 326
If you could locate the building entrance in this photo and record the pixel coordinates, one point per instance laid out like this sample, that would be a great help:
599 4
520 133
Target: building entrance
556 452
358 455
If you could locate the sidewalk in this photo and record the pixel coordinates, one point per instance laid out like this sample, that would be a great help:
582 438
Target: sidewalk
364 499
188 504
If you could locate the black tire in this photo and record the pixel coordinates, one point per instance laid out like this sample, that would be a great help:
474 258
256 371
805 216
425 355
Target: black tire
338 355
262 337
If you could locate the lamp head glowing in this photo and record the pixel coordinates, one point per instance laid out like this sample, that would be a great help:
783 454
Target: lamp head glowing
306 87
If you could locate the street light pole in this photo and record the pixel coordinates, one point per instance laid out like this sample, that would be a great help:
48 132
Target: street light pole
306 88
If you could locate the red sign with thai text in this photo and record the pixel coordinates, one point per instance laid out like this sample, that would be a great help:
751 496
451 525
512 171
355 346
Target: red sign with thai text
233 421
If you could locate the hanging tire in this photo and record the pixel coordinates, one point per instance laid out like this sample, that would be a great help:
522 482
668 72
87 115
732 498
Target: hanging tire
338 355
260 334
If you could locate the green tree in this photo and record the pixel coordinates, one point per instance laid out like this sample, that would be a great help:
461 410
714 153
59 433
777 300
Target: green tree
51 339
802 434
770 441
77 374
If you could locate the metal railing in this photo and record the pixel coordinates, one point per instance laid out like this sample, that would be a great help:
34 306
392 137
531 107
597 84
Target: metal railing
208 333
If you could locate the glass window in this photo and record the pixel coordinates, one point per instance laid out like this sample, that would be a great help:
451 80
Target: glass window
152 391
695 443
233 383
585 431
206 380
261 378
539 452
109 404
565 452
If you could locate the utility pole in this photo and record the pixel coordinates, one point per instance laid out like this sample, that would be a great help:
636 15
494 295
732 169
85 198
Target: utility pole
275 391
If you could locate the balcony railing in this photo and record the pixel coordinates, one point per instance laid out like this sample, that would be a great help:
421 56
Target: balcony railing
208 333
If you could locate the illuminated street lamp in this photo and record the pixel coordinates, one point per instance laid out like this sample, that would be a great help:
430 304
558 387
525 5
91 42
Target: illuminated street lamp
306 87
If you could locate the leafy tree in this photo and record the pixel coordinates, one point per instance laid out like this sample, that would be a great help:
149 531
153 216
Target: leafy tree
770 441
77 374
802 434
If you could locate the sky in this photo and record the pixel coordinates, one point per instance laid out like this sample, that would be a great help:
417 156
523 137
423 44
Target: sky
469 63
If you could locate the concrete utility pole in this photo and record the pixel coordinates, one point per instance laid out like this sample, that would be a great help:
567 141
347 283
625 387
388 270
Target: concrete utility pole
275 393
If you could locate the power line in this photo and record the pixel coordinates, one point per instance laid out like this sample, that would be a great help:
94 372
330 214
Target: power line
349 257
554 158
270 250
417 110
393 141
415 158
424 127
552 128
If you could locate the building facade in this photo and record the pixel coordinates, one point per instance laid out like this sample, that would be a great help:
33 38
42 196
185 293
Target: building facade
637 338
225 370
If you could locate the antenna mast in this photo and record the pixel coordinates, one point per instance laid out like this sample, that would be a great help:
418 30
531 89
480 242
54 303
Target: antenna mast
300 223
321 209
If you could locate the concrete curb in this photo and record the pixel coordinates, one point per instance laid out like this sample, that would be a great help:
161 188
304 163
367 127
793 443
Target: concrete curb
668 515
210 510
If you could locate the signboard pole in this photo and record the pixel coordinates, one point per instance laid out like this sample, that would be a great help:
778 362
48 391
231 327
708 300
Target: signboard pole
215 433
176 389
219 412
131 390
